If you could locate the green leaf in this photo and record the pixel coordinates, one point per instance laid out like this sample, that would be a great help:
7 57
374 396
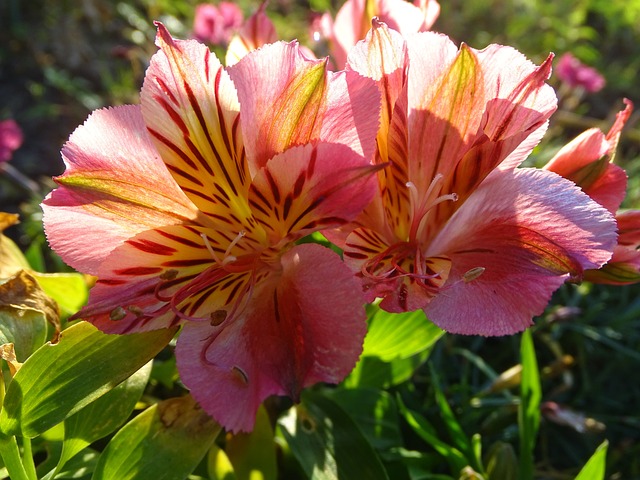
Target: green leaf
460 439
25 328
425 430
253 455
375 413
58 380
327 443
395 345
399 335
103 415
502 462
69 290
529 408
24 312
594 469
373 372
218 465
166 441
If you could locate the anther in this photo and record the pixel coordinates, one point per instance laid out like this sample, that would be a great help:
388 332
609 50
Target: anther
137 311
218 317
473 273
240 374
117 314
169 274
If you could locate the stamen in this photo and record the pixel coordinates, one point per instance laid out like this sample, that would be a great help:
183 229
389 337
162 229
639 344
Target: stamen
218 317
136 310
420 209
117 314
207 244
228 258
472 274
240 374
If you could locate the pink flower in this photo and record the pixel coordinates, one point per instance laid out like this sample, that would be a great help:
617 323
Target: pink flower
188 209
456 229
10 139
586 160
216 25
576 74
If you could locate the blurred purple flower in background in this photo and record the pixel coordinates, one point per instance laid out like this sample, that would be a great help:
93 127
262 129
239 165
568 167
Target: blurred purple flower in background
216 24
574 73
10 139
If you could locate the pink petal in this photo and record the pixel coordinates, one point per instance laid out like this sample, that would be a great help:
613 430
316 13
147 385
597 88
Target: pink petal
285 340
354 19
629 228
310 103
519 100
191 110
445 109
383 57
308 188
114 187
529 230
586 161
622 269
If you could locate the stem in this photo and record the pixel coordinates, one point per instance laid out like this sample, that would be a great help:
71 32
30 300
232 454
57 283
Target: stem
11 457
22 180
27 459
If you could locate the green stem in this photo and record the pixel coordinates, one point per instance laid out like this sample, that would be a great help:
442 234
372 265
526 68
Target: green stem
27 459
11 457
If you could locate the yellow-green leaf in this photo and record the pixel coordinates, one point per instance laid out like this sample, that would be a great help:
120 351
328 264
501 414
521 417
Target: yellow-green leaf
60 379
166 441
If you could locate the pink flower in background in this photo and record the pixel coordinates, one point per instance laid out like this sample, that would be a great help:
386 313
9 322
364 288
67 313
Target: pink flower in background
10 139
216 24
576 74
456 229
257 31
587 161
188 209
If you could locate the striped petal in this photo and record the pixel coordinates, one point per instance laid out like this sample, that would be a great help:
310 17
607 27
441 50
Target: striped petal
191 109
284 341
164 276
382 56
444 116
308 102
308 188
115 186
515 240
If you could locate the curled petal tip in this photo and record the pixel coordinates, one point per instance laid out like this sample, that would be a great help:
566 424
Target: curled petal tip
546 66
162 36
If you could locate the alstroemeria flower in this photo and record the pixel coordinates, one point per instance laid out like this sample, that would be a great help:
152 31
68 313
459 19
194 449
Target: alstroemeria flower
587 161
188 210
456 228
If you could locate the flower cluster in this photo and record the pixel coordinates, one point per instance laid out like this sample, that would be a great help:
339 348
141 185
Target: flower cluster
190 208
